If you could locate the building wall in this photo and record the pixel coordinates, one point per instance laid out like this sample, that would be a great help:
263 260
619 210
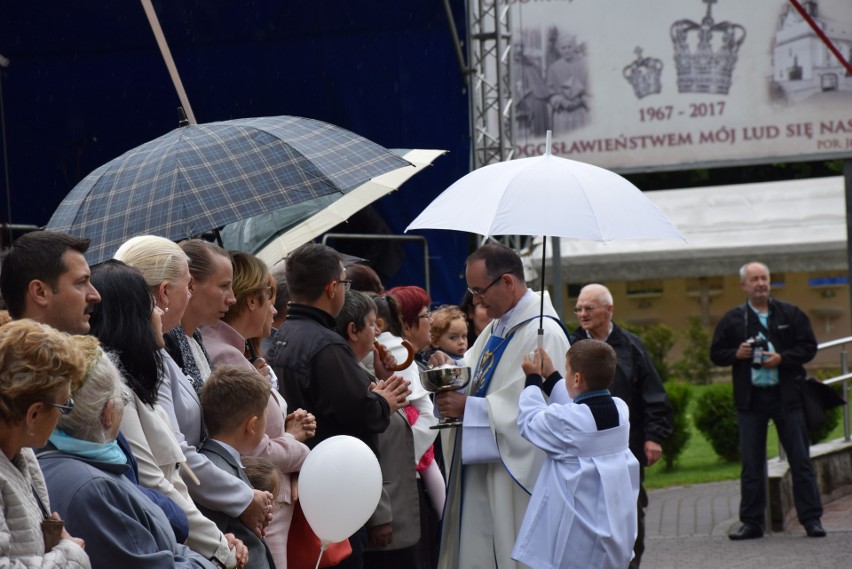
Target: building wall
823 296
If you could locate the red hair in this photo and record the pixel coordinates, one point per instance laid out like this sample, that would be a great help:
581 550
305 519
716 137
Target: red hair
411 299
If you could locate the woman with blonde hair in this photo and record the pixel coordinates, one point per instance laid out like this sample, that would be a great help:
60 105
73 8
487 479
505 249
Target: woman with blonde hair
234 340
129 324
38 368
166 270
165 267
84 471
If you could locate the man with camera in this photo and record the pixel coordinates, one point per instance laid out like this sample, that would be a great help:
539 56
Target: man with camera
768 341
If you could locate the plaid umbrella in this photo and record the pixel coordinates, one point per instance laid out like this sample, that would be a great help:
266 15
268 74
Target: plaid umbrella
200 177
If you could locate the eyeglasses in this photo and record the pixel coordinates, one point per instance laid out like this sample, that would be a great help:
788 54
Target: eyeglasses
66 408
425 315
581 309
480 292
347 284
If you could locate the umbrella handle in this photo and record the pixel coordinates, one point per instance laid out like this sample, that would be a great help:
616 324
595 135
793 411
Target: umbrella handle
398 367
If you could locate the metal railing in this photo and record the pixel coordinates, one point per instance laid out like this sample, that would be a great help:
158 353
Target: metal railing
843 378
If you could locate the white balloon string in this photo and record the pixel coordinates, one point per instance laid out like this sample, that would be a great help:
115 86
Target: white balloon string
323 545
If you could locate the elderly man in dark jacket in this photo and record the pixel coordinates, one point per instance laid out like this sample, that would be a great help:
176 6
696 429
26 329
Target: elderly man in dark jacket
767 387
636 382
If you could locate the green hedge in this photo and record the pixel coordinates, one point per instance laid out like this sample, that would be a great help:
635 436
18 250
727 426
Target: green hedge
679 395
716 418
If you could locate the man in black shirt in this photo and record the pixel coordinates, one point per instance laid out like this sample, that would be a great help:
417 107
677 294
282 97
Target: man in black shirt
317 369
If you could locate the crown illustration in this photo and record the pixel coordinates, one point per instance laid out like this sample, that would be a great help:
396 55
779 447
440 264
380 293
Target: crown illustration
644 74
704 70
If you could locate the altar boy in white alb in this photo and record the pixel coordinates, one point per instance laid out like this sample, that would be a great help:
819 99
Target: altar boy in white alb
583 510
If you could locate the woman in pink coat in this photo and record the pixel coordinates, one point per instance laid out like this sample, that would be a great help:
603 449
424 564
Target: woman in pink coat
234 341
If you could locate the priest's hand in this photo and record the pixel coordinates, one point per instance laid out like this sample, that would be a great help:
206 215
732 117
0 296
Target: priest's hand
451 403
440 358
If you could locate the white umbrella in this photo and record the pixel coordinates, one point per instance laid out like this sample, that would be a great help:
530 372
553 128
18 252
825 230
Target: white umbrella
303 222
550 196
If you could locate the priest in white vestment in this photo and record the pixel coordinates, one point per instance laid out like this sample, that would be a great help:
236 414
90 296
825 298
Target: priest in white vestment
491 468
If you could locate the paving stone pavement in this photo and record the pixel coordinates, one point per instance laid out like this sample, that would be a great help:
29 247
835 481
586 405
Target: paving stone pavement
687 528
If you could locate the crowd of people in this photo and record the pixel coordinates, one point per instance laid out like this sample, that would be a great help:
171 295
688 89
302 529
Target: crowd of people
157 409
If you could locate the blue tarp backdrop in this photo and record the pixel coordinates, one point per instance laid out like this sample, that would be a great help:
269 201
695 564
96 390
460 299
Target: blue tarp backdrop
86 82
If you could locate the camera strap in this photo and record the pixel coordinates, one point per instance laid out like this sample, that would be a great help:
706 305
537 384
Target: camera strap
747 310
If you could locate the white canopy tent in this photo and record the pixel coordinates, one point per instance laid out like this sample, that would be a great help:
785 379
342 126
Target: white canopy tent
797 225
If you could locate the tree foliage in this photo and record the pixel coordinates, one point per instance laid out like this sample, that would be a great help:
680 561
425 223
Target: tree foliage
695 366
659 340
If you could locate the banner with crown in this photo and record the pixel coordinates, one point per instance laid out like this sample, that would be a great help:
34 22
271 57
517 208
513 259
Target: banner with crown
660 84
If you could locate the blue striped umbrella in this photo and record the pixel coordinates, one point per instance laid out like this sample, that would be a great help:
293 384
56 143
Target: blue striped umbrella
201 177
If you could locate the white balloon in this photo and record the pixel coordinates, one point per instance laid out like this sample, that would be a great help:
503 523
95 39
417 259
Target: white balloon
339 487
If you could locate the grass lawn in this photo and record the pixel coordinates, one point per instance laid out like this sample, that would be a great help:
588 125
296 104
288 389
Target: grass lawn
699 463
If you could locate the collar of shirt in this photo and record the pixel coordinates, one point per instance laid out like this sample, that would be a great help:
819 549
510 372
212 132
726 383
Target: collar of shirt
607 334
231 450
505 322
756 311
590 394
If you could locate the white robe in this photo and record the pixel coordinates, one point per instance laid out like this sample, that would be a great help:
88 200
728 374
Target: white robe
583 510
500 466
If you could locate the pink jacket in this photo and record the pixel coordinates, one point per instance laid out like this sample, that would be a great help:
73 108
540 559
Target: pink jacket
225 346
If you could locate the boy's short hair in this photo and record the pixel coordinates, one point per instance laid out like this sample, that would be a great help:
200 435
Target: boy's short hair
230 396
595 361
441 319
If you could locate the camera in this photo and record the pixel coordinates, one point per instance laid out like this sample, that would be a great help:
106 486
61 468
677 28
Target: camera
758 345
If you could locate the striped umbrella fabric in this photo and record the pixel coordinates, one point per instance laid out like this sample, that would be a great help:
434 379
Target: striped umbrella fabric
201 177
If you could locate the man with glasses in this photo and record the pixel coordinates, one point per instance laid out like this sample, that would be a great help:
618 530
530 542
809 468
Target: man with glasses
317 369
636 382
492 469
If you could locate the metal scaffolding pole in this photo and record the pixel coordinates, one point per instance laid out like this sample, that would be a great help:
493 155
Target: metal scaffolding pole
489 49
489 56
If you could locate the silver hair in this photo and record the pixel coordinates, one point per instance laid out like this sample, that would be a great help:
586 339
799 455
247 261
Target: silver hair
745 267
604 295
157 258
103 384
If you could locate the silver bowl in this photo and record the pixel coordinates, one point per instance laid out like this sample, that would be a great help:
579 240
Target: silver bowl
445 378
